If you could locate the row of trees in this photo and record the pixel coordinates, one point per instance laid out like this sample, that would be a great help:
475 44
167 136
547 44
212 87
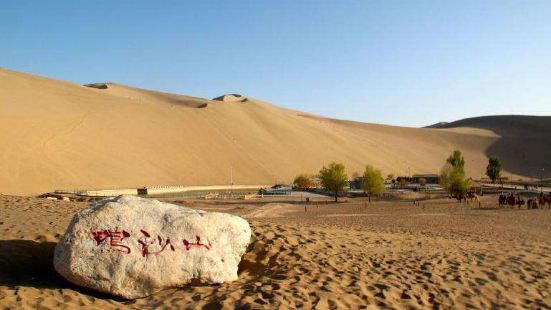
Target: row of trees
334 179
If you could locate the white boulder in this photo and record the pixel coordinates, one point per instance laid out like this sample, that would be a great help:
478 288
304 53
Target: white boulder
132 247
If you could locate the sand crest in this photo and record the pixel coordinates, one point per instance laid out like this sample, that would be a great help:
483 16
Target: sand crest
61 135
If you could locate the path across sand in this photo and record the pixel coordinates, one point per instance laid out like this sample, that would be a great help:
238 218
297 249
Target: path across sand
272 210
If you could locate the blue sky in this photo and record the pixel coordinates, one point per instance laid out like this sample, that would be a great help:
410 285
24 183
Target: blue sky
409 63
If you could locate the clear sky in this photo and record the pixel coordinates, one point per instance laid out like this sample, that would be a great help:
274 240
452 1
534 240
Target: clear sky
409 63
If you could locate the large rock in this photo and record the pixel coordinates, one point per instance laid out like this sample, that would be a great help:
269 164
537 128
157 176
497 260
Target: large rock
132 247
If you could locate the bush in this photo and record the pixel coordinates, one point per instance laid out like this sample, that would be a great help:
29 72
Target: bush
303 182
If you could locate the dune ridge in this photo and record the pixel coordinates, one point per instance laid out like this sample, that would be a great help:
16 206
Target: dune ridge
62 135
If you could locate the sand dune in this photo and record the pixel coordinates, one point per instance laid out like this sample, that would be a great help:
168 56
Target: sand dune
231 98
61 135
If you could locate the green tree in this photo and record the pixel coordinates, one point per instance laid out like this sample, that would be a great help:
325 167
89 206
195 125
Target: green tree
303 182
457 160
445 175
459 184
493 170
333 178
452 175
373 182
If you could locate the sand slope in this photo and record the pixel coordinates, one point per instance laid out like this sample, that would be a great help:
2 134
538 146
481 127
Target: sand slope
61 135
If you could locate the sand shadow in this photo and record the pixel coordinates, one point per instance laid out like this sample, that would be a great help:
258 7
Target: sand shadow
523 146
30 264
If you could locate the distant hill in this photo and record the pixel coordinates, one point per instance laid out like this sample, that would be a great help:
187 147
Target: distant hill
62 135
520 124
437 125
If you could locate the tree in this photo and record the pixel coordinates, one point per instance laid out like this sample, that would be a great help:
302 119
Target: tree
445 175
459 185
333 178
303 182
493 170
373 182
452 175
456 160
390 177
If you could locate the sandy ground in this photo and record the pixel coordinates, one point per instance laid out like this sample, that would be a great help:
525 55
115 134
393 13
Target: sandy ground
61 135
439 254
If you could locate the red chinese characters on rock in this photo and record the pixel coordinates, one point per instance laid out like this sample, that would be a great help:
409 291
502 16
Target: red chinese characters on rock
149 245
115 239
159 244
196 244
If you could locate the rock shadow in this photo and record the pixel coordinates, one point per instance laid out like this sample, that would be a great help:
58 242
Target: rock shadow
26 263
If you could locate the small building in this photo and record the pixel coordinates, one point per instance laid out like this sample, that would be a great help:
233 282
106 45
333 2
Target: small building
278 189
430 178
356 183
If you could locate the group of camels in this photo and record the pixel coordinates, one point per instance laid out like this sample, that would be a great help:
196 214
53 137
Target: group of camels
510 199
532 203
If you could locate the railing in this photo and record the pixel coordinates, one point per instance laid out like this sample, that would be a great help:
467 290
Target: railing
159 190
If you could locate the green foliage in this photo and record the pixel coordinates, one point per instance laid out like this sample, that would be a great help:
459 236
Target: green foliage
373 182
493 170
333 178
445 175
459 185
303 182
452 175
456 160
390 177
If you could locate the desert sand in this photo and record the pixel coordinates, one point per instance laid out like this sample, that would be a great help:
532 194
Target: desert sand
438 254
62 135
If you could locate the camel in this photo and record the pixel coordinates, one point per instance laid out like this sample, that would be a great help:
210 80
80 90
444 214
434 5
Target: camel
466 197
532 203
502 199
517 200
472 196
511 200
460 197
545 199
